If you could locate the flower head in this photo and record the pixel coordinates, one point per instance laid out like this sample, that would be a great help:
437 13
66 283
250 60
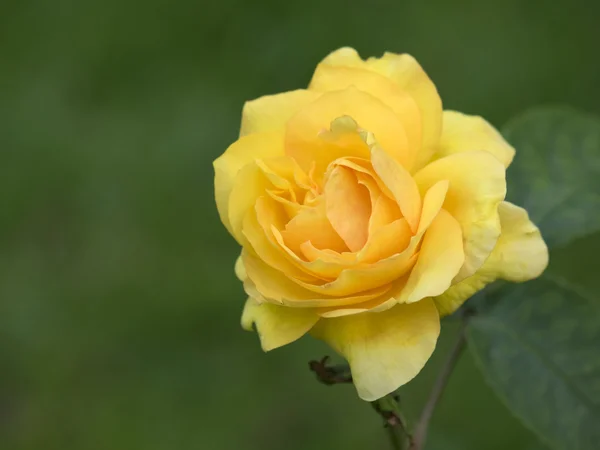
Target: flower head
365 212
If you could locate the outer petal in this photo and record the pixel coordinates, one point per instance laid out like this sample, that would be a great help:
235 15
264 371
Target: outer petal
477 185
345 56
238 155
277 325
302 140
271 112
406 72
385 350
520 255
463 133
440 259
331 78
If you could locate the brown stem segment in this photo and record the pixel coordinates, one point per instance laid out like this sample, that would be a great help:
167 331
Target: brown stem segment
330 375
420 433
388 408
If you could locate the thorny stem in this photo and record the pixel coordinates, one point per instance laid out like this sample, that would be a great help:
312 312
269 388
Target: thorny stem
388 407
330 375
420 433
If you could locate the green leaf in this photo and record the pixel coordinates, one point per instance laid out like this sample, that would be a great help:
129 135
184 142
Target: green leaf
556 172
540 351
538 343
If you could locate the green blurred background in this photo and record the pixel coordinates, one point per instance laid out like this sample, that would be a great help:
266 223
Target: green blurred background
119 309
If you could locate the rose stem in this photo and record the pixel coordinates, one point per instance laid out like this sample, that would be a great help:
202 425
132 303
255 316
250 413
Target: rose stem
420 433
389 409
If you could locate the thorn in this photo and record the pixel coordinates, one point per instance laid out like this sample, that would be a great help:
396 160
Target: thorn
330 375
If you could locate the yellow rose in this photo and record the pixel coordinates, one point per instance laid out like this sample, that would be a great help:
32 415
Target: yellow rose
365 213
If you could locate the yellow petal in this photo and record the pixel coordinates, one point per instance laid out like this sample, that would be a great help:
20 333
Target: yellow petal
303 130
348 207
400 183
330 78
463 133
240 270
407 73
382 303
477 185
265 282
364 168
410 76
386 241
385 350
371 276
520 255
285 174
384 211
344 56
257 230
390 269
228 165
250 184
271 112
312 253
440 259
311 224
322 269
432 203
277 325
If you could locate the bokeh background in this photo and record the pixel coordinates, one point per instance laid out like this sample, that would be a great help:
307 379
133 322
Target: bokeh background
119 309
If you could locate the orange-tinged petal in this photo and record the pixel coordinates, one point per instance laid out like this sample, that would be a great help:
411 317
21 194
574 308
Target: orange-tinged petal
292 208
384 211
257 230
390 269
271 112
401 184
378 304
277 325
303 130
348 207
463 133
324 269
227 166
386 241
312 253
270 285
477 185
385 350
371 276
331 78
440 259
364 168
311 224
